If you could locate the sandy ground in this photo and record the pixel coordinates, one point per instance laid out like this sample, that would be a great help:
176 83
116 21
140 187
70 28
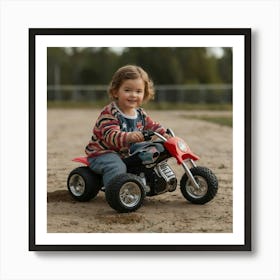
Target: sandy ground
68 133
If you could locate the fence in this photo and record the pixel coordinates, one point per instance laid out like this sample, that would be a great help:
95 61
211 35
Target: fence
202 93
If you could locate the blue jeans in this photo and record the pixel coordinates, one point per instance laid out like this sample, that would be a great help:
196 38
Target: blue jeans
108 165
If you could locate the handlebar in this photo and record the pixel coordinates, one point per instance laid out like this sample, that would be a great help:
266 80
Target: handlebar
160 136
148 134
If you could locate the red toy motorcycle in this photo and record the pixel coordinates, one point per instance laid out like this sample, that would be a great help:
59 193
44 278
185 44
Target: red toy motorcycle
126 192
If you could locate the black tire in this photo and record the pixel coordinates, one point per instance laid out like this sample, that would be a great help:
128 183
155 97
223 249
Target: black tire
125 193
206 180
83 184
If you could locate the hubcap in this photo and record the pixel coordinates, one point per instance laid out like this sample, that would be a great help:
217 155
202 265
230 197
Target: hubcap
130 194
197 192
77 185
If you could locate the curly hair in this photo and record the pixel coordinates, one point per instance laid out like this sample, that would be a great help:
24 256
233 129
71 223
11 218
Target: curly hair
131 72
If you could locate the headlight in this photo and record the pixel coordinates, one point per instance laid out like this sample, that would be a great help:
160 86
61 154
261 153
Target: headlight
182 146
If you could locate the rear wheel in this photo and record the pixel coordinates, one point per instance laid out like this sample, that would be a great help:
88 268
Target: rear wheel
208 185
83 184
125 193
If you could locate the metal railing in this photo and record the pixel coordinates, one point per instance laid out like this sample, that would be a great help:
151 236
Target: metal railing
201 93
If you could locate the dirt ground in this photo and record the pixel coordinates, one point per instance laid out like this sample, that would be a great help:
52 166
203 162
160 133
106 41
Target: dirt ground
69 131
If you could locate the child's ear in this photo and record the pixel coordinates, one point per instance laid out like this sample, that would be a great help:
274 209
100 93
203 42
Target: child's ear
115 94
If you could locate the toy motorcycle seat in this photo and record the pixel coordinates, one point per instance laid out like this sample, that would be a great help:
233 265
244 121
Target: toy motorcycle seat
148 152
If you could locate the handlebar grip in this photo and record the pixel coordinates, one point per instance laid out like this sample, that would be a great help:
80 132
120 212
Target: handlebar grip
147 135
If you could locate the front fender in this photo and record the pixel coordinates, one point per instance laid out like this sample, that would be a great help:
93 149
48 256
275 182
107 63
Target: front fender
190 155
176 152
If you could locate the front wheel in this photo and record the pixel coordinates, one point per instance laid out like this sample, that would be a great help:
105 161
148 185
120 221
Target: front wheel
208 185
83 184
125 193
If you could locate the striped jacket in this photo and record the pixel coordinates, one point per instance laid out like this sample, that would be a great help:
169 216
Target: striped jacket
109 136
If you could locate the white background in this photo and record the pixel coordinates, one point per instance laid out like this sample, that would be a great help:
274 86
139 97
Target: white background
16 262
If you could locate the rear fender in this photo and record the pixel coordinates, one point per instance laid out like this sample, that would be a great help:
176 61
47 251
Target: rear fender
83 160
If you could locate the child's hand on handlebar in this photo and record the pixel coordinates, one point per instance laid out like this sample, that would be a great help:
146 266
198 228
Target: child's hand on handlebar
135 136
138 136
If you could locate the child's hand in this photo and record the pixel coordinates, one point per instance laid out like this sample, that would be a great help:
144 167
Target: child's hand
135 136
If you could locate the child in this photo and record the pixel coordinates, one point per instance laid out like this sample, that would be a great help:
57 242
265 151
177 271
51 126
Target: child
120 123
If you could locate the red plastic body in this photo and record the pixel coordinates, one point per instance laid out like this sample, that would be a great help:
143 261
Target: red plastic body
83 160
172 146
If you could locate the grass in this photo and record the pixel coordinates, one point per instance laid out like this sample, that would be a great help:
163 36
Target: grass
226 121
221 120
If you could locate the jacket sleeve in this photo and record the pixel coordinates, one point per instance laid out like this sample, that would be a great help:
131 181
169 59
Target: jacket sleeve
152 125
108 130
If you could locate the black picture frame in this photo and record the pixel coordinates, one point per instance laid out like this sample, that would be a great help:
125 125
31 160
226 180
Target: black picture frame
245 34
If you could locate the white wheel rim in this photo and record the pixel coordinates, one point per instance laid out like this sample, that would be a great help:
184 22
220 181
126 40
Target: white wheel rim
77 185
193 191
130 194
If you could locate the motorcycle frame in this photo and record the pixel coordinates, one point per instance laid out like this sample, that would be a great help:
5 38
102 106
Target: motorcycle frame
171 144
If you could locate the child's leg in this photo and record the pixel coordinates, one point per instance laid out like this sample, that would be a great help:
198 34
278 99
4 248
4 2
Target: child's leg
109 165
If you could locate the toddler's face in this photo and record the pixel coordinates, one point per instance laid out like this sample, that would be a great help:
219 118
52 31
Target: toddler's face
130 95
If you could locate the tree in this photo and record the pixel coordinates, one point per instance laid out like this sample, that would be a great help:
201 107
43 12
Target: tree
225 66
183 65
